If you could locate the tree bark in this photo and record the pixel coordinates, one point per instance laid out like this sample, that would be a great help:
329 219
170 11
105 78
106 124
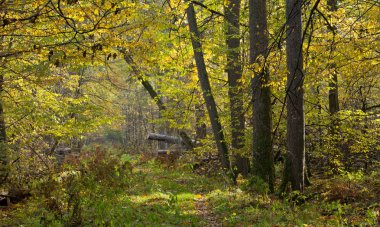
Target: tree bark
295 96
262 112
333 93
183 139
164 138
240 164
334 128
3 138
3 135
333 83
206 89
201 127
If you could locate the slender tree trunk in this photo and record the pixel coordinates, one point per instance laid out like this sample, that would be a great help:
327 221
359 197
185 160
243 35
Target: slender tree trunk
333 94
234 71
3 137
262 113
295 97
146 84
333 84
206 89
152 92
201 128
2 121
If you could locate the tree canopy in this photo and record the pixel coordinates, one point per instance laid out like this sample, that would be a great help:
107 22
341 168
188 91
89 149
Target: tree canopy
262 91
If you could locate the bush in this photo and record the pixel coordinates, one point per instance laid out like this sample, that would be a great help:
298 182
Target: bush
81 180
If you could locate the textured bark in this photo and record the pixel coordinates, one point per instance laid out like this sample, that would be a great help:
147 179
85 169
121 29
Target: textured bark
295 96
206 89
262 114
234 70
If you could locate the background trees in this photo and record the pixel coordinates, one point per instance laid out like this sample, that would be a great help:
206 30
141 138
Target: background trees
70 69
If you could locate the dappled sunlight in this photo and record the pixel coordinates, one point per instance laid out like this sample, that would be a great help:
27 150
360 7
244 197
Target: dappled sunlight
189 113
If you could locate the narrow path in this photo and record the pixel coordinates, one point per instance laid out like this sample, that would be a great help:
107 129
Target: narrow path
204 211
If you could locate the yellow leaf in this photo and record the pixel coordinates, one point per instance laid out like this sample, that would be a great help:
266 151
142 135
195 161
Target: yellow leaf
198 196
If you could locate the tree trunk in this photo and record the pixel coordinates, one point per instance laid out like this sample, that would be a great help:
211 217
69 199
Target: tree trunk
333 93
148 87
152 92
333 84
201 127
3 137
206 89
262 113
295 96
240 164
334 128
183 140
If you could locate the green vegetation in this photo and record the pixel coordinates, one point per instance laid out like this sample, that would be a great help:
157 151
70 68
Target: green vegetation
189 112
105 188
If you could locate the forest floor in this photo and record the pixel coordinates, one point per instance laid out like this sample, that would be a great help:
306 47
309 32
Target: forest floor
153 194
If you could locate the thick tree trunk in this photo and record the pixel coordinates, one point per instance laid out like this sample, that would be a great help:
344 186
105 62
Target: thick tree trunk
295 96
240 164
206 89
262 113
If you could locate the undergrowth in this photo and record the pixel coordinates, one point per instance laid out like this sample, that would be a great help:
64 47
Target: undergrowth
102 188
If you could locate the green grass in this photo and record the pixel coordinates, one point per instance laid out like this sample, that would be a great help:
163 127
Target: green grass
153 195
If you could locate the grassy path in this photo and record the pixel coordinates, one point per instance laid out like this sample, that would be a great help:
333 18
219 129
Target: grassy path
183 191
207 215
153 195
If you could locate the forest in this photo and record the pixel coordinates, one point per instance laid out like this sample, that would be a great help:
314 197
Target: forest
189 113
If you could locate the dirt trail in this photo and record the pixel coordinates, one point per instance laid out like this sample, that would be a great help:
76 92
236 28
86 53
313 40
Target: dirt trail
204 211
